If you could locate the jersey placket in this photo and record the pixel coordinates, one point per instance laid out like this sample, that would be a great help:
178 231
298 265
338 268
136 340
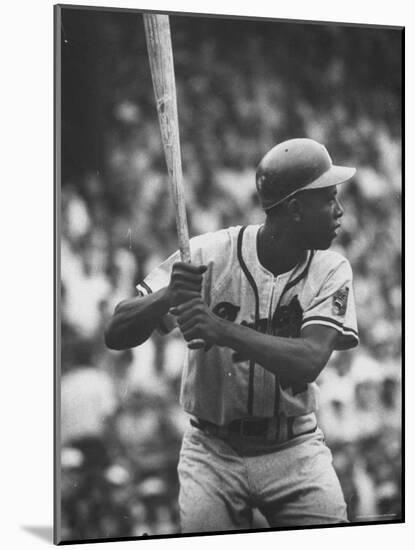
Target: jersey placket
263 394
266 384
281 283
258 377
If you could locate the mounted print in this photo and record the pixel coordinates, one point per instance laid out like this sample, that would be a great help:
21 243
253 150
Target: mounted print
228 274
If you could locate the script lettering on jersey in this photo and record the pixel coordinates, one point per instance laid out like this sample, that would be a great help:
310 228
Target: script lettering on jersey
286 322
226 310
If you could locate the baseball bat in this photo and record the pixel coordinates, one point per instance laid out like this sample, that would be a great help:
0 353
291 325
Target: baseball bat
160 54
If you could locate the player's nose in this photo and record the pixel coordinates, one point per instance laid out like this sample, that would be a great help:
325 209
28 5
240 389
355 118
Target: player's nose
339 211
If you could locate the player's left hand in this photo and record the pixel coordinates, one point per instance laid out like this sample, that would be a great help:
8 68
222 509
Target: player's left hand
197 321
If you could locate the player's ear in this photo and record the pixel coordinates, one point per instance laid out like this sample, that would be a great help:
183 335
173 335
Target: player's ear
294 209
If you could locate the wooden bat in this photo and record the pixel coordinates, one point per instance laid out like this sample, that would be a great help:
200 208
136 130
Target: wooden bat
160 53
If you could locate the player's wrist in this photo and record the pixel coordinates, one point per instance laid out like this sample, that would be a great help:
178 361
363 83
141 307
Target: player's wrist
166 298
222 332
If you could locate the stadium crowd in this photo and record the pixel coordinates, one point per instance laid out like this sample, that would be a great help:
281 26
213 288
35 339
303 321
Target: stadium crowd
121 424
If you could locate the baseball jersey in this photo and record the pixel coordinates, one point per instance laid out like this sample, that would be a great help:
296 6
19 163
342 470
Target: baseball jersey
218 385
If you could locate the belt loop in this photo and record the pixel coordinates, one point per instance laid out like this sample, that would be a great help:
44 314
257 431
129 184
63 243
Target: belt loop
273 428
290 427
283 429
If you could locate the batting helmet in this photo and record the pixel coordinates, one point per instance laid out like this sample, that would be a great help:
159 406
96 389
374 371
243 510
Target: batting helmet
295 165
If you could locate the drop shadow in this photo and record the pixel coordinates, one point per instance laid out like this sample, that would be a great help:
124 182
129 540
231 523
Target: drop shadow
42 532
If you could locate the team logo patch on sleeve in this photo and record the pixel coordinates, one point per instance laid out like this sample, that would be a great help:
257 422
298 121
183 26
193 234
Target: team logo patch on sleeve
340 301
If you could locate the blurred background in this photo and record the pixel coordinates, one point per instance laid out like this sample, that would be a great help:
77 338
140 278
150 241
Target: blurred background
243 86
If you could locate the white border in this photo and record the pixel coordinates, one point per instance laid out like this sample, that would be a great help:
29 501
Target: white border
26 359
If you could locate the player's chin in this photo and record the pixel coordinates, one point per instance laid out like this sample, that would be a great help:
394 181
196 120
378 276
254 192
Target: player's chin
324 243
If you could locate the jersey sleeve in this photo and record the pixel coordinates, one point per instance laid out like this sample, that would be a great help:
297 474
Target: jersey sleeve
157 279
205 249
334 306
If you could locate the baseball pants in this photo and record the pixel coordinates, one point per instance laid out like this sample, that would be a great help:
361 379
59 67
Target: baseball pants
222 482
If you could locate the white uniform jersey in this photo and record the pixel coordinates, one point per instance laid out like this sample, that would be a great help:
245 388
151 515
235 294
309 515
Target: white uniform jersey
220 386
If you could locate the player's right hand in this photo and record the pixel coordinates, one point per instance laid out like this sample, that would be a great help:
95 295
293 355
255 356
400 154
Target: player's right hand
185 282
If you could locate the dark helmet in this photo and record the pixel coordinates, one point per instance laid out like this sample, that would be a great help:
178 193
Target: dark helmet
295 165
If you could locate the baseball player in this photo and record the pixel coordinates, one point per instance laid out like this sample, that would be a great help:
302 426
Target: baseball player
271 303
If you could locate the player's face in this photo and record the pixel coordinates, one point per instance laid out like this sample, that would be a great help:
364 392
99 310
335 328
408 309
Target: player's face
320 220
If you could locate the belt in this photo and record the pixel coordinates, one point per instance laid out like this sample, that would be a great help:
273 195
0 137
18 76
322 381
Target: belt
247 427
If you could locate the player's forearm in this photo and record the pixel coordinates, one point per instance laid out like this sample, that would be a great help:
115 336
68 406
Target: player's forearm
135 319
294 359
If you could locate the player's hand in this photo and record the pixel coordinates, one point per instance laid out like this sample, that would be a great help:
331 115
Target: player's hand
196 321
185 282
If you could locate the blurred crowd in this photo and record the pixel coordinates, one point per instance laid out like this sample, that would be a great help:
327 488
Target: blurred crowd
121 424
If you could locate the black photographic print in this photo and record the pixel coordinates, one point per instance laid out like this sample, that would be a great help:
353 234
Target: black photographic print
228 225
